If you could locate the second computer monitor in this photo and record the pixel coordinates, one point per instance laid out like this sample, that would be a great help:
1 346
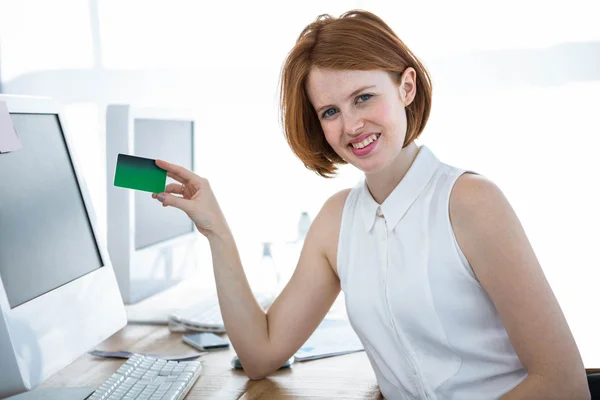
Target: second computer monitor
151 247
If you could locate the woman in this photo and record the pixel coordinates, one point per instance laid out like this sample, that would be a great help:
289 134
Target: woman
441 283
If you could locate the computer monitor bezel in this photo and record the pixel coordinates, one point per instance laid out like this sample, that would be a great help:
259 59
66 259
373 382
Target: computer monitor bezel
120 207
45 334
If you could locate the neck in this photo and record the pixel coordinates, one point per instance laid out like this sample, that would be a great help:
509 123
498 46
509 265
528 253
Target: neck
384 181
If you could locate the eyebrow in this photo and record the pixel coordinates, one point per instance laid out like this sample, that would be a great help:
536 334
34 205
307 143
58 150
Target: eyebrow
357 91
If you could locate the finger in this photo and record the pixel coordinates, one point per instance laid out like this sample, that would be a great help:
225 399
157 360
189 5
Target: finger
176 170
176 177
168 200
176 188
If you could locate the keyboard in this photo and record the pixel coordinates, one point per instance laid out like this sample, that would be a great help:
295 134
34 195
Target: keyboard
143 377
205 316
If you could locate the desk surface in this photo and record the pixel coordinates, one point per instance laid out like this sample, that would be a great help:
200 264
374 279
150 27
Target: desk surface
343 377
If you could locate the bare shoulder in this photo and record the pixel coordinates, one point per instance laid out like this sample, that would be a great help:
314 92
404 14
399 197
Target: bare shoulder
335 204
483 220
475 196
326 226
330 217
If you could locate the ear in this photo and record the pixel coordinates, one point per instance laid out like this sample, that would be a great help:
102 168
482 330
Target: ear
408 86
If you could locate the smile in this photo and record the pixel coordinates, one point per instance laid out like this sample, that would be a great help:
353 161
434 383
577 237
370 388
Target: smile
366 142
365 146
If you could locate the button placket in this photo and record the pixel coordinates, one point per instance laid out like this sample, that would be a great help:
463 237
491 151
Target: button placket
415 377
382 245
386 266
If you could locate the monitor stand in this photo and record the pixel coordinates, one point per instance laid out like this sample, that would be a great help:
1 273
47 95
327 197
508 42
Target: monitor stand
54 394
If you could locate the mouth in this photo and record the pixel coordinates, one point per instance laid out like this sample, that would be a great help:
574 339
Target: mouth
365 142
365 146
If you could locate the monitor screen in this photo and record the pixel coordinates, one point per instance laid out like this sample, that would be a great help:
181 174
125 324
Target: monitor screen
46 238
172 141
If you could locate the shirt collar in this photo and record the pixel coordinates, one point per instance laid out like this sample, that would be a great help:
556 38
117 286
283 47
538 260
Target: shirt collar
403 196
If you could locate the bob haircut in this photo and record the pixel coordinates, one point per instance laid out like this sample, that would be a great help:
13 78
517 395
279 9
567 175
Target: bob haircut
357 40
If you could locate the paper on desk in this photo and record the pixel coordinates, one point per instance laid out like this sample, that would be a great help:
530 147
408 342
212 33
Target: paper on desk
128 354
331 338
9 141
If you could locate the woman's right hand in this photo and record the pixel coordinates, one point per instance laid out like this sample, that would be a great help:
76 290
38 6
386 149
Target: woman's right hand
193 195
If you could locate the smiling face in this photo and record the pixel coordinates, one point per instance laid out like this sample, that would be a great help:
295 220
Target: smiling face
362 113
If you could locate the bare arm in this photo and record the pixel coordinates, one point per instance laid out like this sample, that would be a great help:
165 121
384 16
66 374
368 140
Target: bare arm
263 341
491 236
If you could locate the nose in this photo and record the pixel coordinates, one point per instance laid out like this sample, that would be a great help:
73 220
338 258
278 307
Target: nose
353 123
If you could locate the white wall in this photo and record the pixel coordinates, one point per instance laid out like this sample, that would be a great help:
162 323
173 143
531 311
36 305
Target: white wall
516 94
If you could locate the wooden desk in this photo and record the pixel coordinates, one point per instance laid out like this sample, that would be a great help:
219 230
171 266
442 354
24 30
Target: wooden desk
343 377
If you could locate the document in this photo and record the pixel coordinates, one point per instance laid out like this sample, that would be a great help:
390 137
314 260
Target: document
331 338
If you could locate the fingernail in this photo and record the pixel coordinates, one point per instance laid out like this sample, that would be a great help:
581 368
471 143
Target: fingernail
161 197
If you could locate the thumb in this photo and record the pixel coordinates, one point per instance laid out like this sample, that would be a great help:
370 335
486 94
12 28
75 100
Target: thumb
168 200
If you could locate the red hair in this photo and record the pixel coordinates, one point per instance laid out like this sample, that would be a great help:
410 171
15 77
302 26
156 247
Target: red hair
357 40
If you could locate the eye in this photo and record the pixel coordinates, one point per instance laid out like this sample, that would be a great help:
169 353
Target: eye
363 97
329 112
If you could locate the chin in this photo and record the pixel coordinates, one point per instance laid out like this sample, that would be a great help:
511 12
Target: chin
369 166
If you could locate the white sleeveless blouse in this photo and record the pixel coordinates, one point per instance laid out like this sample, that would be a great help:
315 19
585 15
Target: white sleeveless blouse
428 327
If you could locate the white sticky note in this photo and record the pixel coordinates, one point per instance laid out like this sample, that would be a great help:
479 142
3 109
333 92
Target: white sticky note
9 140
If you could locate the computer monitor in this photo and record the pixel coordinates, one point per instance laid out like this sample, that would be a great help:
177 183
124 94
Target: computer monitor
58 293
151 247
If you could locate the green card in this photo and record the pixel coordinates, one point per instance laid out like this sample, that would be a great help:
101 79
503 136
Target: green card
140 174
